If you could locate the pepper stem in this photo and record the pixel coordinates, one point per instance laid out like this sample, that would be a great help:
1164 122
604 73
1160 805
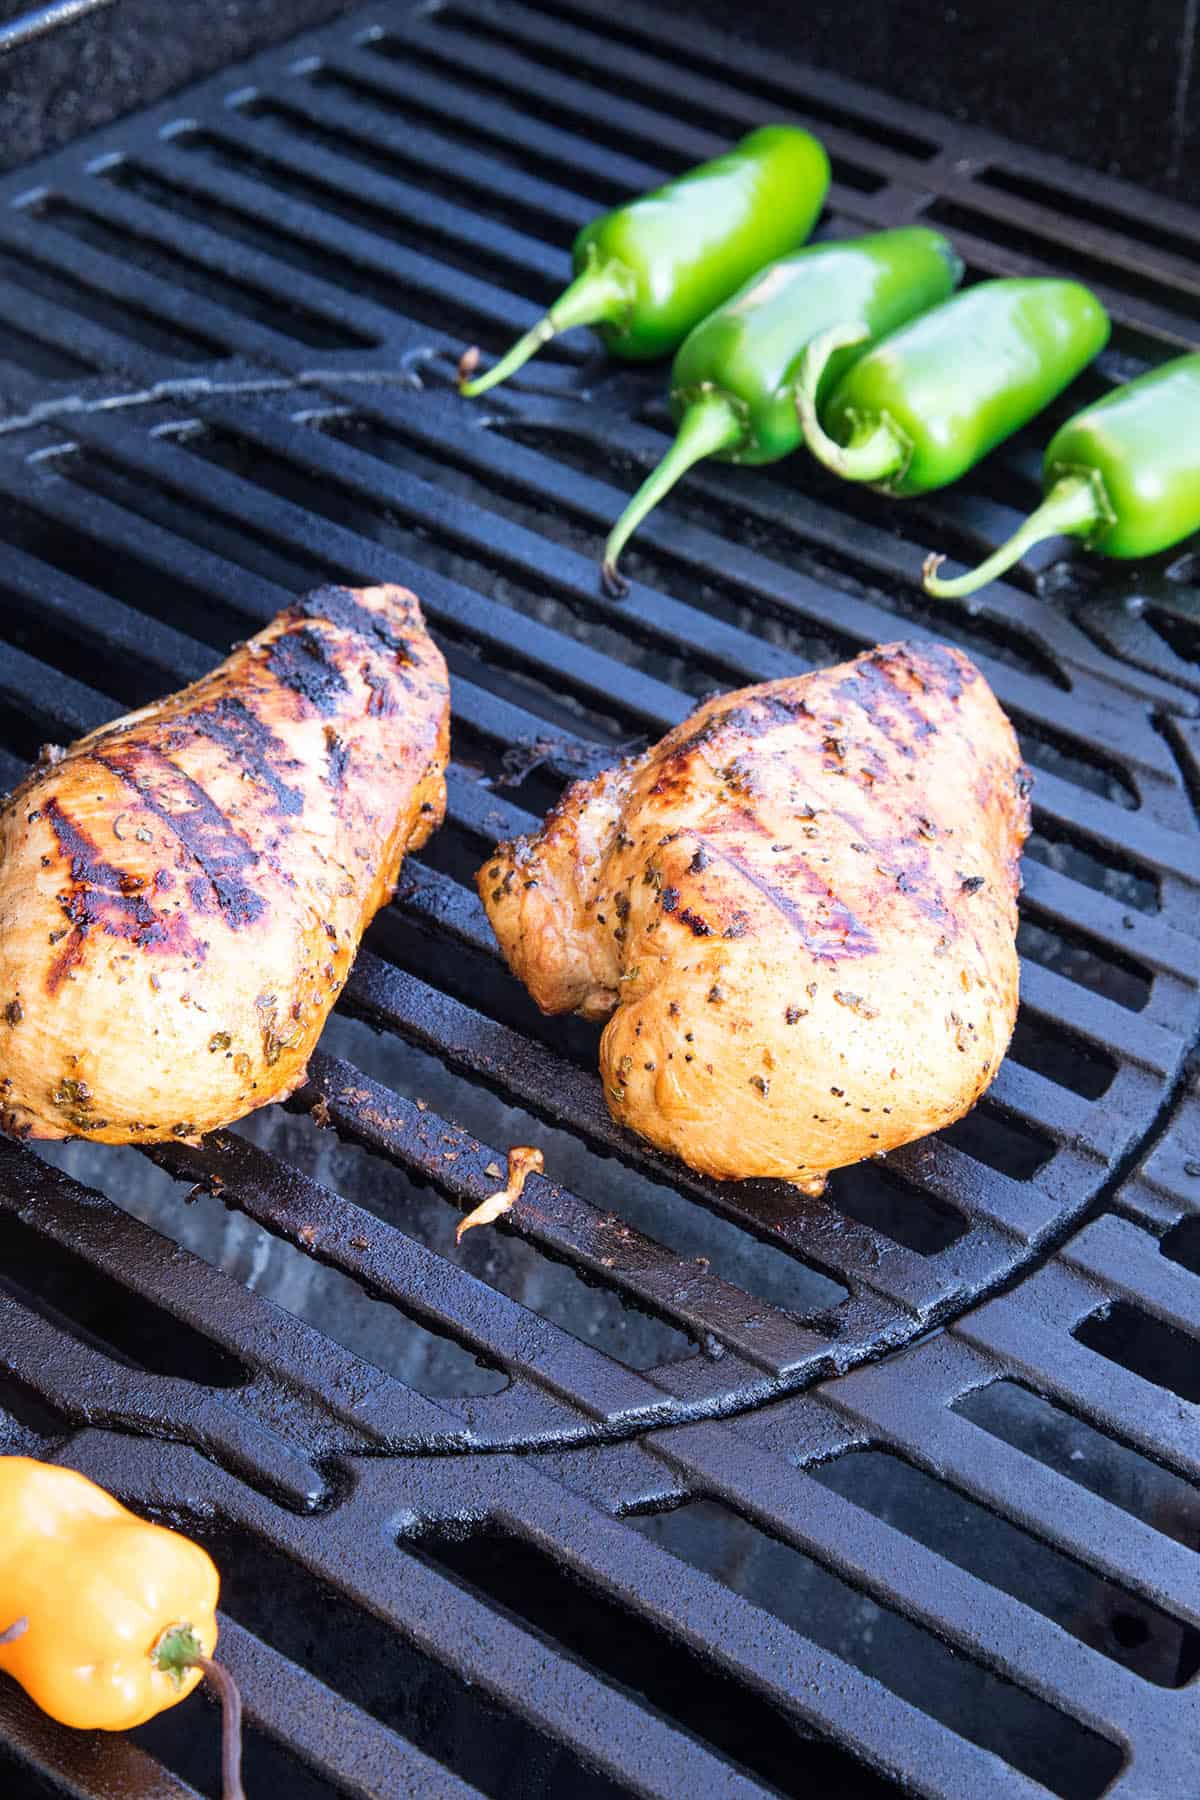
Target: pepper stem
1074 507
711 423
876 450
600 294
177 1651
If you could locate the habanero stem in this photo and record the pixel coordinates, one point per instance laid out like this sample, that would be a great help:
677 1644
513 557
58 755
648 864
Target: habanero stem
178 1650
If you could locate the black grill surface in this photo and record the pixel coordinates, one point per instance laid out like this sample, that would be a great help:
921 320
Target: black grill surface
229 331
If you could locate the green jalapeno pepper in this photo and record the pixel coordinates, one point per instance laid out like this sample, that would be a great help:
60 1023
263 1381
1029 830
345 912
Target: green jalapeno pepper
650 270
921 408
733 380
1123 475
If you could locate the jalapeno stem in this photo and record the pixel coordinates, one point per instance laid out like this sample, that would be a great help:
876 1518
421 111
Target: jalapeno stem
15 1630
876 450
711 423
1074 507
599 295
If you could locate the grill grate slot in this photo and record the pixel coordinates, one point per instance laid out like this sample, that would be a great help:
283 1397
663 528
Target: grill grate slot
975 1539
1027 1734
1066 1444
1146 1346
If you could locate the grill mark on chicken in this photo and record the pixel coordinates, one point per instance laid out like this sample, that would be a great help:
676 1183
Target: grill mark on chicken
852 939
338 605
106 898
201 827
885 694
756 719
303 661
337 756
252 745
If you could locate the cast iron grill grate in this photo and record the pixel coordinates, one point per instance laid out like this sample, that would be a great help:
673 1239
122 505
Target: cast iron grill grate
229 327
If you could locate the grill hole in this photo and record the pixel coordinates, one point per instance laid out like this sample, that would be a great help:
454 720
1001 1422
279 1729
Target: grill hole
1081 765
588 125
1085 1456
1007 1145
518 1269
1082 960
339 268
95 1309
405 1689
1182 1244
272 1268
1075 206
745 518
1179 632
464 124
275 308
27 1425
618 30
1024 1731
1092 864
423 156
875 1197
122 317
187 1745
1038 1043
51 363
644 1662
650 90
1142 1344
1061 258
1009 1558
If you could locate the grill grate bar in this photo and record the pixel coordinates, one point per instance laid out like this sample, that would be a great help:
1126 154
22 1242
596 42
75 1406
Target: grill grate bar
1124 1406
298 129
1085 1526
334 1738
1057 800
308 1214
512 467
44 1361
422 1283
980 1621
216 1306
610 174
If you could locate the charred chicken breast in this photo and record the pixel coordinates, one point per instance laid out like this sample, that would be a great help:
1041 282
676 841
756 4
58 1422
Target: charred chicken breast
797 913
183 892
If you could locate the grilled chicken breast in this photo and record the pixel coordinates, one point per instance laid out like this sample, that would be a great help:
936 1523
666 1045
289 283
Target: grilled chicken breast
797 913
183 892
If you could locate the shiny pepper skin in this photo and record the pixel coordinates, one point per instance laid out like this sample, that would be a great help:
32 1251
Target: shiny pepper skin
100 1589
648 271
922 407
733 384
1123 475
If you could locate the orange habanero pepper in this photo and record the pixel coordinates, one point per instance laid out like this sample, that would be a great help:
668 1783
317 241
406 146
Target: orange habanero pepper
105 1619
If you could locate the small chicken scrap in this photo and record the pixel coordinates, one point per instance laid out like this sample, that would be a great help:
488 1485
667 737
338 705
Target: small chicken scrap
183 893
797 913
